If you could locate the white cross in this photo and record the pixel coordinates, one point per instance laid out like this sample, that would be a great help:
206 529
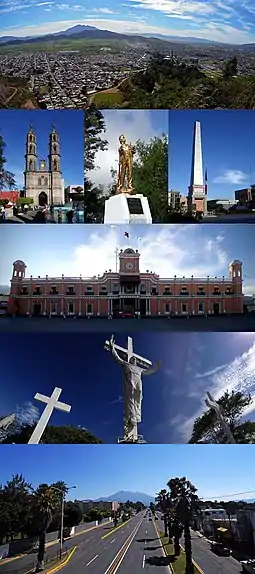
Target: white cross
52 403
212 404
129 351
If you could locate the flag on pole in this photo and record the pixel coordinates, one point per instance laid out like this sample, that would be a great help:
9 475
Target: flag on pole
126 234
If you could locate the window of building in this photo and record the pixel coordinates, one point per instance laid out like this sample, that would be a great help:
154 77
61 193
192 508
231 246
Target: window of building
70 290
89 288
89 308
54 290
39 181
103 288
31 138
37 290
70 307
167 308
53 307
167 289
24 291
142 287
201 307
46 181
154 291
184 308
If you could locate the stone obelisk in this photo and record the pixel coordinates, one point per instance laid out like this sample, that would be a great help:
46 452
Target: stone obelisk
197 191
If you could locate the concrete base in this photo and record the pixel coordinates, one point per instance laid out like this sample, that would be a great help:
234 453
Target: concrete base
125 209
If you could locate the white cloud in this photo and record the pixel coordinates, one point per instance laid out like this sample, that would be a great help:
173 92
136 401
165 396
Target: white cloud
103 10
27 414
232 176
134 124
218 32
237 376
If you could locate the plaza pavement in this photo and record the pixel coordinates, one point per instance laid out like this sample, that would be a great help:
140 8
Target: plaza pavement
236 323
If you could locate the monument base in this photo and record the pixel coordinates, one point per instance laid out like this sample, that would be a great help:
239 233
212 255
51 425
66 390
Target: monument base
125 209
138 440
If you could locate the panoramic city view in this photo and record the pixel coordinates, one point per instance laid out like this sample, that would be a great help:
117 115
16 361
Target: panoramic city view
127 342
140 54
158 508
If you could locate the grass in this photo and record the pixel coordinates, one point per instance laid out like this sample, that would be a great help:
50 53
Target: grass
107 97
178 563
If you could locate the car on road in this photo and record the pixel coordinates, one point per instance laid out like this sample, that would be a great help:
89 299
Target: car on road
219 548
248 566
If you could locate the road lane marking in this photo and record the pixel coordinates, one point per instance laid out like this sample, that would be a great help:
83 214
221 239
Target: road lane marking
59 566
116 562
195 564
112 540
114 529
143 561
92 560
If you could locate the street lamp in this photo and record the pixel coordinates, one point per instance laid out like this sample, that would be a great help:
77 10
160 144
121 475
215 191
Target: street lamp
62 515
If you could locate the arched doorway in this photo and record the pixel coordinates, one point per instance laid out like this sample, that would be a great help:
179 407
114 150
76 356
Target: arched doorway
43 198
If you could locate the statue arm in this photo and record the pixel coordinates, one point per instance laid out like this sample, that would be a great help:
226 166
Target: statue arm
152 370
114 353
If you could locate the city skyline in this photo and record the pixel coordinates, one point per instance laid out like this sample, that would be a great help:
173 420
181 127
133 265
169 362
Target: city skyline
181 250
223 473
14 125
134 125
211 20
191 365
226 150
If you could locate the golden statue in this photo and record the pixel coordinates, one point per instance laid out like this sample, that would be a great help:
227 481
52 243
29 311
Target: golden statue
126 153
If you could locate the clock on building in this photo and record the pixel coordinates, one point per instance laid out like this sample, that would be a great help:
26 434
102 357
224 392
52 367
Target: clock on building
129 266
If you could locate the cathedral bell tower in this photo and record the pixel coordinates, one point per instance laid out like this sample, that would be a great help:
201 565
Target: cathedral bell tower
31 154
54 151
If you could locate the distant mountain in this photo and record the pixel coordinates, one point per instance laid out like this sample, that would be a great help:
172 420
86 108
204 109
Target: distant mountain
124 495
4 39
4 289
75 30
183 39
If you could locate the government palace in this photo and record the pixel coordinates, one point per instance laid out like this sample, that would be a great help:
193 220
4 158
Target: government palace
125 291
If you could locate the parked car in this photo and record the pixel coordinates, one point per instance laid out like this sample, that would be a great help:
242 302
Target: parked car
248 566
220 549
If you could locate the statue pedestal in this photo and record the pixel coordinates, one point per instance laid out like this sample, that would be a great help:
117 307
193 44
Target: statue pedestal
124 208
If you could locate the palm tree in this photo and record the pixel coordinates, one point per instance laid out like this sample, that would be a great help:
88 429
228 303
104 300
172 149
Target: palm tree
45 502
162 498
185 501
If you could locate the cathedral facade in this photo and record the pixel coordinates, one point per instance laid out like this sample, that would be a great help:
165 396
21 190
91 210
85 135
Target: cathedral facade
43 182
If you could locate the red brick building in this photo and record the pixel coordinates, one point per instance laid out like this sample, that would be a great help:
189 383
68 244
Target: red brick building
126 290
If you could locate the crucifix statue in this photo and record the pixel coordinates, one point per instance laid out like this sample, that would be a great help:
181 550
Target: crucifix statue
212 404
133 368
52 403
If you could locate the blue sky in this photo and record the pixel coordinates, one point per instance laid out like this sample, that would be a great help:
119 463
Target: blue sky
89 250
192 364
134 124
14 125
227 146
231 21
101 470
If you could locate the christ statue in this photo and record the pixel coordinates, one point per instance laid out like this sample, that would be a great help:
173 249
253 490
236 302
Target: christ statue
132 391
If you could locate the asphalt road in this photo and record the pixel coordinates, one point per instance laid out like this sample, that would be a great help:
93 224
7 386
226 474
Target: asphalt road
28 561
209 562
133 547
245 323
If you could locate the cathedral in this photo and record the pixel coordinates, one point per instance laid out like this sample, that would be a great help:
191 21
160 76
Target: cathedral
44 183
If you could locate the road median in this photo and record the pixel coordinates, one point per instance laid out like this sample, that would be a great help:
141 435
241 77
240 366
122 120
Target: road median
177 563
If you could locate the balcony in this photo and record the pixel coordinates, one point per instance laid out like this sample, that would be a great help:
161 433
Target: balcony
154 292
202 293
103 293
54 292
184 293
217 293
70 293
24 292
37 292
89 293
167 293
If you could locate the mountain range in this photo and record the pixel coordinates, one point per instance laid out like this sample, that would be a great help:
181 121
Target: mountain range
83 31
124 495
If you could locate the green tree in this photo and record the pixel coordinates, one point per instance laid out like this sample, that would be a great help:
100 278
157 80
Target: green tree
72 514
53 435
185 501
14 507
150 175
207 428
94 142
230 68
7 179
45 503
